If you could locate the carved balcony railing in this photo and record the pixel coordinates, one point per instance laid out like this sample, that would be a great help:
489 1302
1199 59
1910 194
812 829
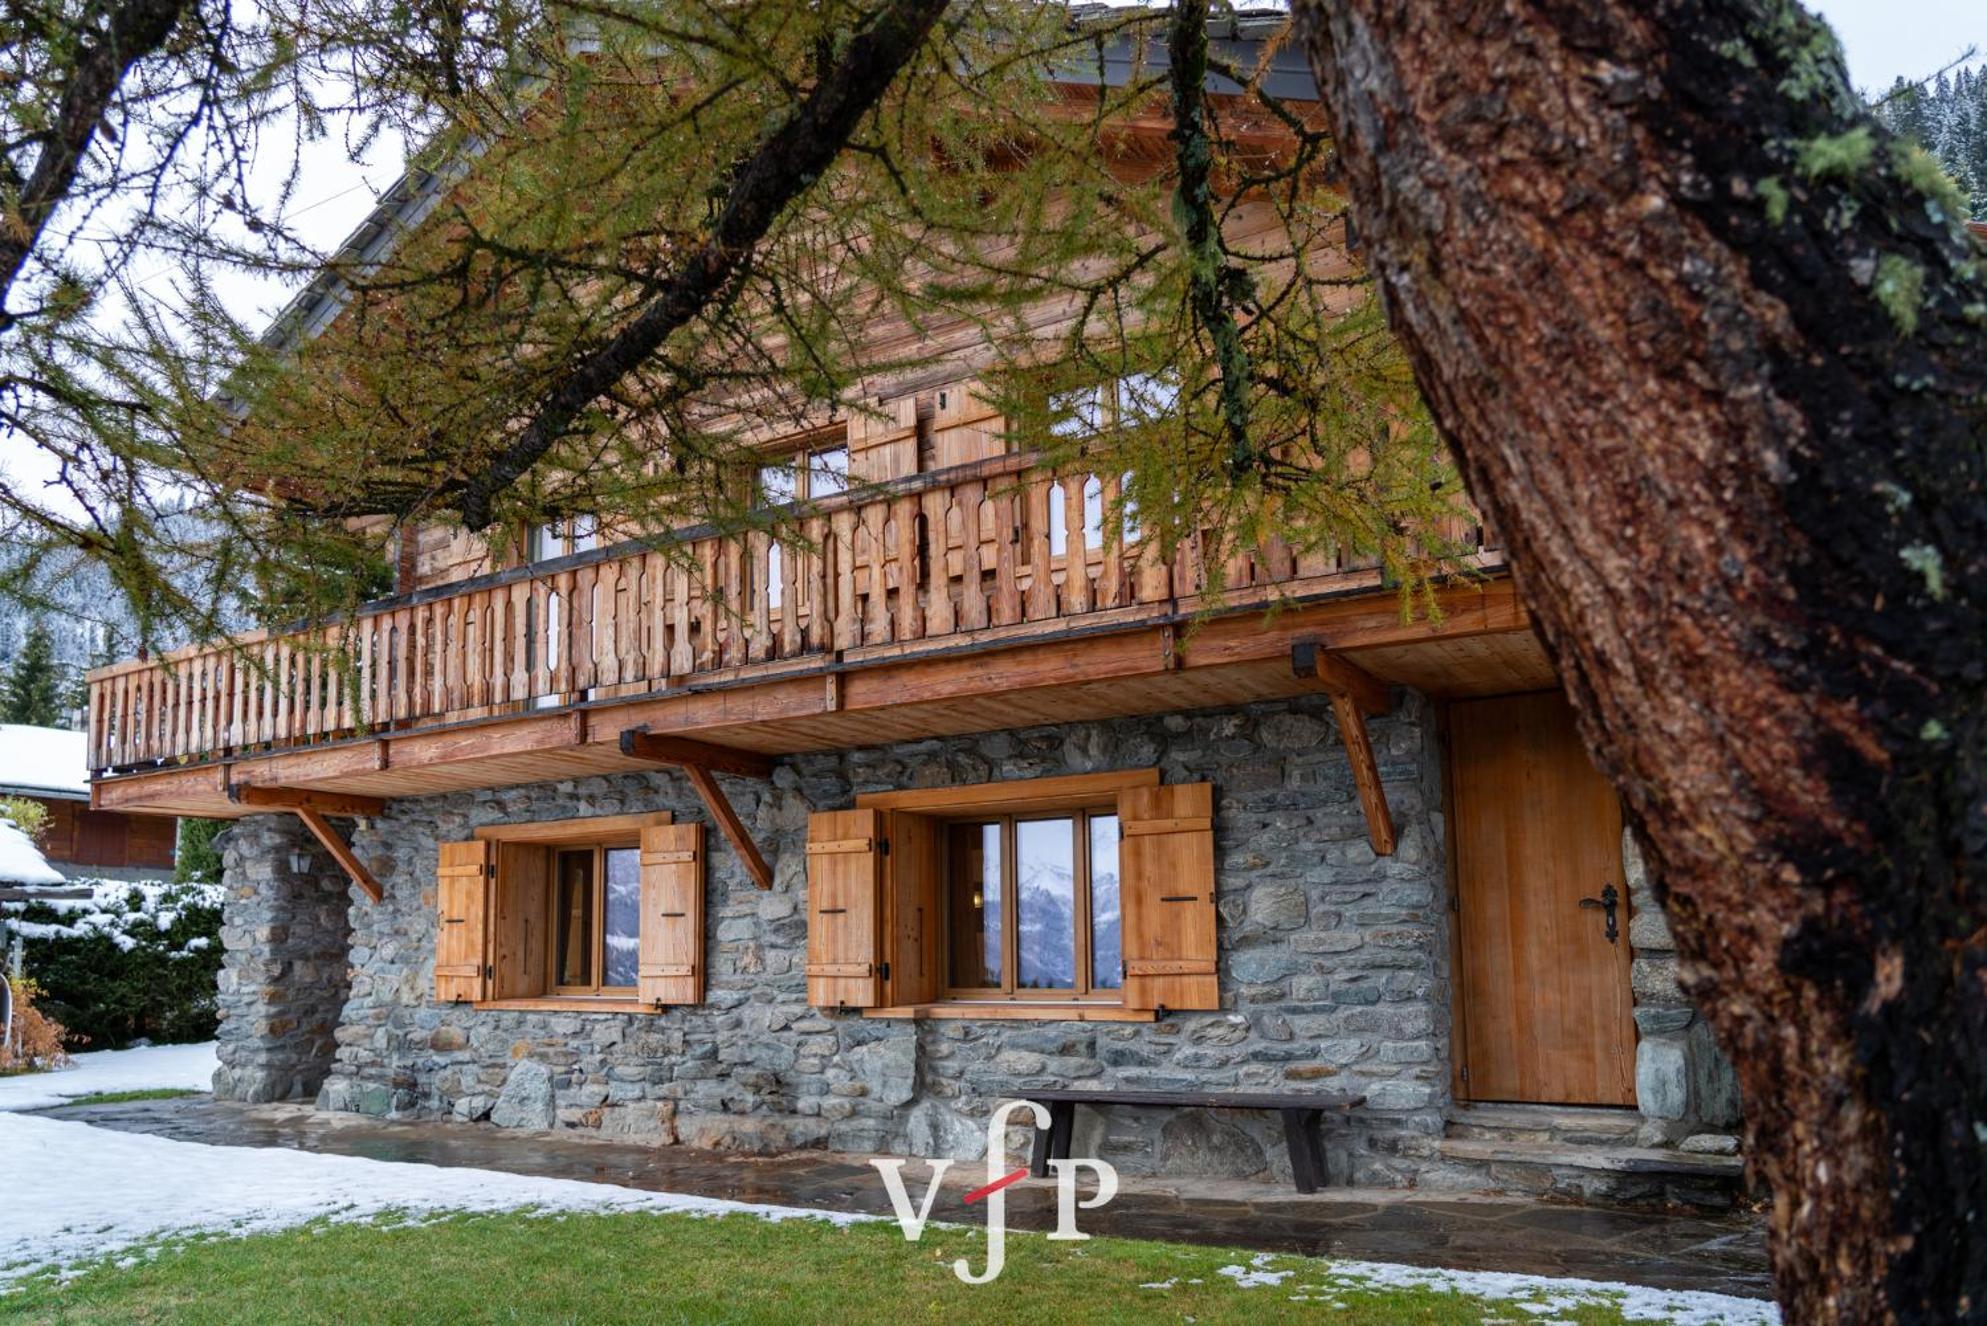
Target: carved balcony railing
986 551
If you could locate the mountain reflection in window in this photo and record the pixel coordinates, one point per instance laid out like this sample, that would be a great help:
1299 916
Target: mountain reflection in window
1107 966
1045 894
623 916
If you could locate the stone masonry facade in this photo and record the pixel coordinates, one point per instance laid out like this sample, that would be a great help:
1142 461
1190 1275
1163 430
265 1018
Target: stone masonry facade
1334 969
284 978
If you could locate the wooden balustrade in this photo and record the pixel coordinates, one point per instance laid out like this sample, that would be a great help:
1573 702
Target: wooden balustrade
919 561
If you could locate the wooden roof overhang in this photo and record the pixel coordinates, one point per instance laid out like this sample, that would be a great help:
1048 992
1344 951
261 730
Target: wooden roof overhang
1135 662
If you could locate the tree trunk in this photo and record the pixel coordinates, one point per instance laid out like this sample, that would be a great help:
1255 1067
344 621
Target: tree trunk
1708 346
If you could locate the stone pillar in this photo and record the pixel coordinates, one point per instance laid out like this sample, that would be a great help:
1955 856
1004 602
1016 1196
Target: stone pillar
1683 1083
284 976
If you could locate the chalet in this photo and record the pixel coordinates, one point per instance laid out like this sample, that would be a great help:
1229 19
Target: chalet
966 795
50 765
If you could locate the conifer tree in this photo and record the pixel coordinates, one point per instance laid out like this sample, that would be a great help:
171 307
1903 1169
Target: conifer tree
32 691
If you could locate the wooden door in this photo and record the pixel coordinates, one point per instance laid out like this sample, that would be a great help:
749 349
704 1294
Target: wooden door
1546 1008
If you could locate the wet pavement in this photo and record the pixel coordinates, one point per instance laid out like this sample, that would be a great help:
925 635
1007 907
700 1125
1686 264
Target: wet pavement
1722 1254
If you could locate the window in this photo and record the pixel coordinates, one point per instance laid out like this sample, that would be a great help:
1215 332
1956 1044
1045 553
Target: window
596 919
810 476
602 914
562 538
1032 906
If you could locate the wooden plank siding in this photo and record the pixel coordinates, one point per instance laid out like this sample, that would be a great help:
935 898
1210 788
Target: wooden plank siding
920 567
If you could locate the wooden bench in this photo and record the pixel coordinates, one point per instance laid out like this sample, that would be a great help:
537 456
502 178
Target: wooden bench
1301 1113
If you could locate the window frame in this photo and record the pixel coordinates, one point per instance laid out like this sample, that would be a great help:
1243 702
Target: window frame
1085 989
598 939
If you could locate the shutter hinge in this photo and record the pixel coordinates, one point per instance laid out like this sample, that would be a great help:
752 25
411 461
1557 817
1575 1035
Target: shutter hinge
489 972
883 970
1456 902
883 846
1466 1072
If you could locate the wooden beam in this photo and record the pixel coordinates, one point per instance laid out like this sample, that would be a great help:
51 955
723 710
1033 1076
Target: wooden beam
1338 678
301 799
734 828
340 852
1365 773
640 744
1010 795
586 829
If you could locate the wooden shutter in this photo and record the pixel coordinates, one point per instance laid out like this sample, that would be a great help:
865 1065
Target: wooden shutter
915 866
671 969
845 908
519 916
1166 868
463 879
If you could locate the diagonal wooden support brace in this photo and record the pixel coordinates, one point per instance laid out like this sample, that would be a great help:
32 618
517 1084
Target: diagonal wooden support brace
1355 693
699 760
321 830
311 808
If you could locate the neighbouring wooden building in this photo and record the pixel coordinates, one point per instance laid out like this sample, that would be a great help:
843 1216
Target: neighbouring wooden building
952 807
51 765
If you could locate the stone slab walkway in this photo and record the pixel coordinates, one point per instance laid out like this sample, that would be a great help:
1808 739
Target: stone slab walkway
1720 1254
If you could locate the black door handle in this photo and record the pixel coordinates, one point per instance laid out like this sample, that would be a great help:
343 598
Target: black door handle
1607 902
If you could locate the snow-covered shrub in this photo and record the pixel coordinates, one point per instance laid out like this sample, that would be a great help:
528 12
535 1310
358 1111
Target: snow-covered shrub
131 961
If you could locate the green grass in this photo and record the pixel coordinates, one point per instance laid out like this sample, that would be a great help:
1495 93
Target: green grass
655 1269
120 1097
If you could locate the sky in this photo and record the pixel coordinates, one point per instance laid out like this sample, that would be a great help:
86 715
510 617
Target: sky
1883 39
1888 39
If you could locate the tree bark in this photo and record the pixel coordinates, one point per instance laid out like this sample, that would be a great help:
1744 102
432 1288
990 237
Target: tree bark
1709 348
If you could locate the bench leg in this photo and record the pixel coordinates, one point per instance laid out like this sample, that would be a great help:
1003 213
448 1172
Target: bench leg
1038 1157
1062 1123
1052 1143
1307 1162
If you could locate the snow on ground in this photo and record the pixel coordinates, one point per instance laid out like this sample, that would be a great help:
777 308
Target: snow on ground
188 1067
75 1192
1542 1299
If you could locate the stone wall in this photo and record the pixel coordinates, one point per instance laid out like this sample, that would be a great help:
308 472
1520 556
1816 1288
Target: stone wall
283 981
1333 968
1684 1085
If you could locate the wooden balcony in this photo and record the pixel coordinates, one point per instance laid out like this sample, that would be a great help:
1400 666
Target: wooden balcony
988 556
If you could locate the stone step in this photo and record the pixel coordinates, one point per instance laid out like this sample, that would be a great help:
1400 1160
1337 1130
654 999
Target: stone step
1568 1125
1611 1159
1620 1175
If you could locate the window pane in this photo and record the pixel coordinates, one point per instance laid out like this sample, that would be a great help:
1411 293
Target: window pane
546 543
828 472
624 916
586 533
776 484
574 917
1144 397
1045 903
1107 966
1078 412
973 885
